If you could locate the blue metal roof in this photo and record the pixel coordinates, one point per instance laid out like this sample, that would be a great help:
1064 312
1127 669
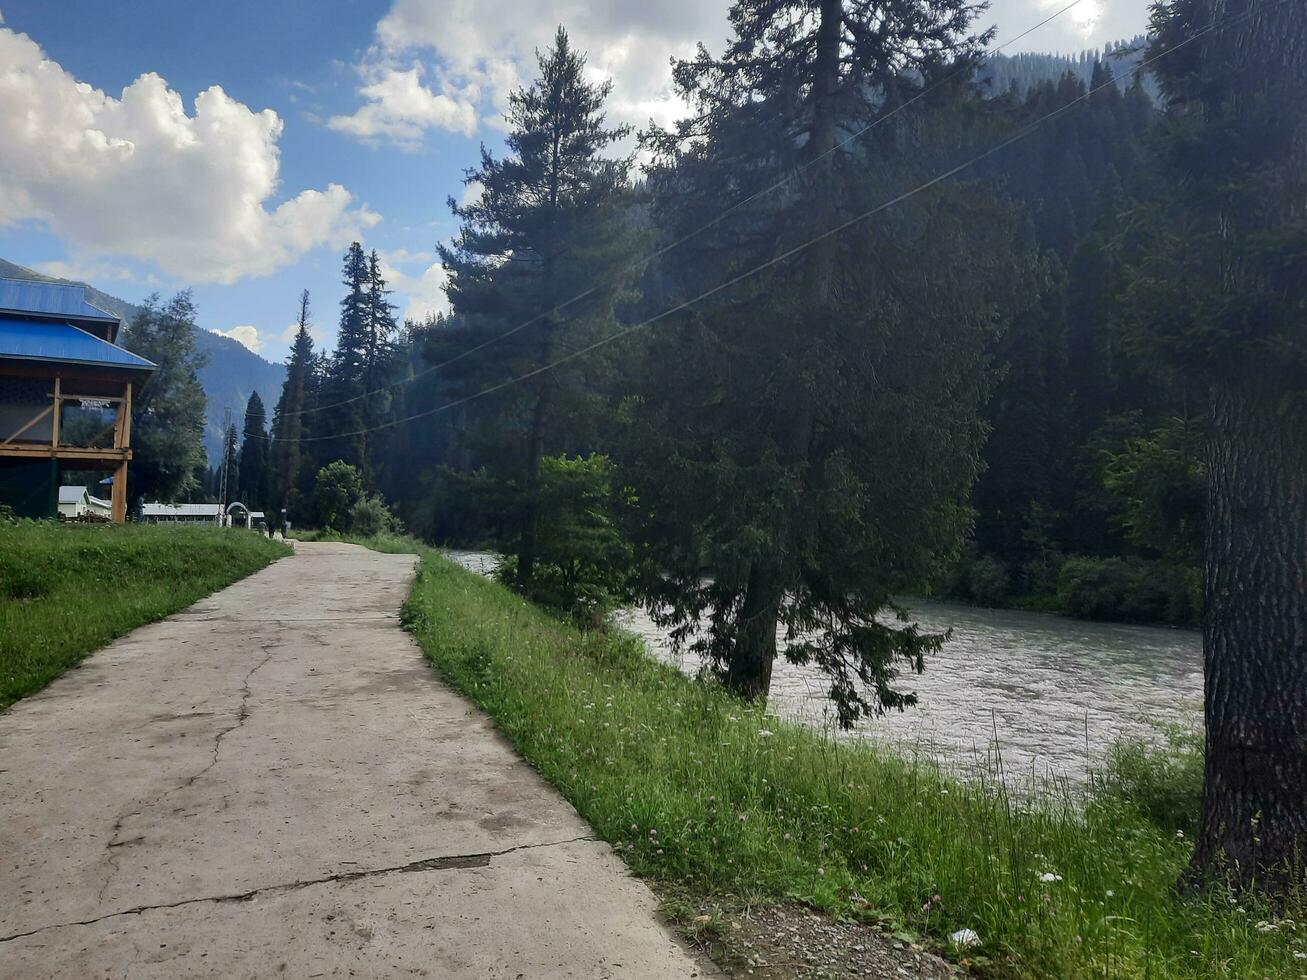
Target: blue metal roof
44 340
50 299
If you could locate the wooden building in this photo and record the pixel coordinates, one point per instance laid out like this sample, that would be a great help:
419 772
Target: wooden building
66 393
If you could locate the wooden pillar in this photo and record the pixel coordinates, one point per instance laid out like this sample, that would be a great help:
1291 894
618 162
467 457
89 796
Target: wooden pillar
119 500
123 430
58 411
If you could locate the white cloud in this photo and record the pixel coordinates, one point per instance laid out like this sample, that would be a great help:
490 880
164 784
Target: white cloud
425 291
246 333
401 109
472 192
483 49
137 176
318 334
1089 24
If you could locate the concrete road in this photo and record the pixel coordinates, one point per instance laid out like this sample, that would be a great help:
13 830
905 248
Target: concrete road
275 783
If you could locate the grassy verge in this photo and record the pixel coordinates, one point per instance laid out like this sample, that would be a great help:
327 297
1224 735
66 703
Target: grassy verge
706 797
67 589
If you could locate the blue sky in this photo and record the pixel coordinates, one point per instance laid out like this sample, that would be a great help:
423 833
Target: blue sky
236 148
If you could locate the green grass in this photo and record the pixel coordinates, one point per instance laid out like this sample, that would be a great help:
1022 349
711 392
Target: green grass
706 797
66 590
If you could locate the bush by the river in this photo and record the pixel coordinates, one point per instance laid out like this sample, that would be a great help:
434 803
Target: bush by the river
1131 590
1162 782
1125 590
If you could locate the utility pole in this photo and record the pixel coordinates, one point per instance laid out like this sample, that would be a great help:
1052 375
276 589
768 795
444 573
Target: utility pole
222 470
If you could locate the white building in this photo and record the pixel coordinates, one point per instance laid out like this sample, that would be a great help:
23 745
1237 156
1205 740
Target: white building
182 514
77 502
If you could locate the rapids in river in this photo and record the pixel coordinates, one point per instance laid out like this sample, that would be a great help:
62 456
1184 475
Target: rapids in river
1050 693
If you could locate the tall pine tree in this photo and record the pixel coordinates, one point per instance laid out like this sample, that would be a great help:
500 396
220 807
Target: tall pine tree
344 387
254 469
547 227
291 480
808 437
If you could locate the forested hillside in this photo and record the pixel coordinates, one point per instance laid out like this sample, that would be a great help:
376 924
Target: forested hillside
1023 71
231 371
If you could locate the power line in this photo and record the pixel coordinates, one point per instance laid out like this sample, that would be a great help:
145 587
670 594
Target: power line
663 250
790 253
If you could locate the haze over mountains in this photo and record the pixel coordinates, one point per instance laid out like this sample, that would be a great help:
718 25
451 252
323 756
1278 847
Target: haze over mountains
230 373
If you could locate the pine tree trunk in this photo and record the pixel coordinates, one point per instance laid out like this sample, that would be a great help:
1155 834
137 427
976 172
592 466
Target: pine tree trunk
1254 809
749 672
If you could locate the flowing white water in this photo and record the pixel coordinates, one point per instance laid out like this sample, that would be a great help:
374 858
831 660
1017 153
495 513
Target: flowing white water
1055 691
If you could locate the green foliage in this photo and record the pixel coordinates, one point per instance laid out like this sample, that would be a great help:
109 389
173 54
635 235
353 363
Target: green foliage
707 795
1130 590
538 270
168 414
252 486
1159 486
369 517
290 467
583 564
988 581
336 492
805 441
1164 784
66 590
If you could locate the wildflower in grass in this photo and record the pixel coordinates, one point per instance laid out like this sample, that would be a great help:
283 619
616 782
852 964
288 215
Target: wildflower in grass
763 733
1050 876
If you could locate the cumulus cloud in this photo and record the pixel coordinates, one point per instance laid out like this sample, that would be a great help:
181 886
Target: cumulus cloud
483 49
400 108
424 291
137 176
246 333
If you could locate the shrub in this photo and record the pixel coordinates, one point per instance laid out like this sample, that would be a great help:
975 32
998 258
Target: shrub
988 581
370 516
338 488
582 562
1130 590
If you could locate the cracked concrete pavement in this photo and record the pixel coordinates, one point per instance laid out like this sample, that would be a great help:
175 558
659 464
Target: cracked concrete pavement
274 782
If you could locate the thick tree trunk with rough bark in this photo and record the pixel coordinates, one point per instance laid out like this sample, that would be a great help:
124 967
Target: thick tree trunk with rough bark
749 672
1254 812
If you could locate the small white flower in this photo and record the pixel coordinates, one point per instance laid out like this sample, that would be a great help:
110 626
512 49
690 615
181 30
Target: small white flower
1265 926
1110 893
1299 955
964 938
763 733
1049 876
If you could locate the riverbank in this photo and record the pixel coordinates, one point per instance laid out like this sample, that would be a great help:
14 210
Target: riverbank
723 808
66 590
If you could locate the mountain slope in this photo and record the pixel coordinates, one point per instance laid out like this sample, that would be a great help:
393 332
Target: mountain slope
230 374
1026 70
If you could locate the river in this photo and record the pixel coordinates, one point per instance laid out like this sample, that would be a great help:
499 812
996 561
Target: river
1055 691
